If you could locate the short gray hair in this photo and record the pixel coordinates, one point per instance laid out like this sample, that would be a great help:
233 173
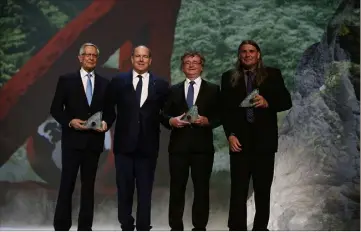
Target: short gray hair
81 50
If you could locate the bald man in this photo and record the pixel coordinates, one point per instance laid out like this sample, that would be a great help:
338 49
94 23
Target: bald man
138 96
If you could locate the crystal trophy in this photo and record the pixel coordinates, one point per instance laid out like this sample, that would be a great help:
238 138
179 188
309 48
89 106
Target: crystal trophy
192 114
95 121
249 100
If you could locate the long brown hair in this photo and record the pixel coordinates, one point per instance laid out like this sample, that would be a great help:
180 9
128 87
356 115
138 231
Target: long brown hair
238 72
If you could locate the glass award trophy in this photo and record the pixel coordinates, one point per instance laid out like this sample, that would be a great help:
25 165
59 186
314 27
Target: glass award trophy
249 100
192 114
95 121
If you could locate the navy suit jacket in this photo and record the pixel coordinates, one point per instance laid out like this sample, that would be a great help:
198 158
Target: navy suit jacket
70 102
137 128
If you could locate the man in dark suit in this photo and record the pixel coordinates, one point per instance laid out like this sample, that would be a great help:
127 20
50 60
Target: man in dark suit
252 132
191 144
78 96
138 97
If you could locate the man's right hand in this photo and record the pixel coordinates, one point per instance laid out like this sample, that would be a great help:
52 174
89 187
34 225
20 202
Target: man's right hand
177 122
77 124
234 144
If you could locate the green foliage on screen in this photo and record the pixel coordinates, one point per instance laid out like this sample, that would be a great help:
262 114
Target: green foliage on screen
27 27
283 29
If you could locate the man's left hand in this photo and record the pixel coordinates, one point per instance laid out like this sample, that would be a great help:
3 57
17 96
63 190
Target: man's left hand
103 128
260 102
202 121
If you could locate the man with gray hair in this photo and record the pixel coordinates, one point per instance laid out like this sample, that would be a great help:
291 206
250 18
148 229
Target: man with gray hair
78 96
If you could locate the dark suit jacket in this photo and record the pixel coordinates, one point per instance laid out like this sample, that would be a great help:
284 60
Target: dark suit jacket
134 123
70 102
234 117
193 139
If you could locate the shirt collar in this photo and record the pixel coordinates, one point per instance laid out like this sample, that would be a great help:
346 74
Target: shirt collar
197 81
253 72
144 75
83 73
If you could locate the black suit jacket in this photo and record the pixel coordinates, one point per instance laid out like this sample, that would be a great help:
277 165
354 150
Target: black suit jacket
70 102
194 138
234 117
137 128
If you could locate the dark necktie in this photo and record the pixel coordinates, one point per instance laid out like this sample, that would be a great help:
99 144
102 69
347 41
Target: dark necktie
190 94
250 110
138 89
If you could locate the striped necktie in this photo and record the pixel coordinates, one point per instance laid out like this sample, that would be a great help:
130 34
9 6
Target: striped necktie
250 111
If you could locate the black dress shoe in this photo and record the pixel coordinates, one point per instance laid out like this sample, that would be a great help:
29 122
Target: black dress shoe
176 229
84 229
127 227
237 229
143 228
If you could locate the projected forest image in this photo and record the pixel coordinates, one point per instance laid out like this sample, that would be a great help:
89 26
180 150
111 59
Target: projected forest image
314 43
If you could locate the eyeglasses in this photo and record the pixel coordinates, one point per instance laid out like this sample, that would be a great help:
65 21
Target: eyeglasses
193 63
90 55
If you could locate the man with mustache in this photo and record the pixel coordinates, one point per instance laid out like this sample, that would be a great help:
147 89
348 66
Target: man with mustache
138 97
252 132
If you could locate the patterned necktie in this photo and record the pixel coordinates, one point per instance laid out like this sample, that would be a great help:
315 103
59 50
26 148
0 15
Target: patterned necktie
190 94
89 89
250 110
138 89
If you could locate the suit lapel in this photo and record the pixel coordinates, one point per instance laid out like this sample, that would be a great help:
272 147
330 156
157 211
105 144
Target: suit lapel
129 81
151 87
129 87
96 92
80 86
201 92
182 95
242 89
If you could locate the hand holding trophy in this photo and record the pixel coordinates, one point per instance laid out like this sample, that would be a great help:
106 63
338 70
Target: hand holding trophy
192 115
249 100
95 122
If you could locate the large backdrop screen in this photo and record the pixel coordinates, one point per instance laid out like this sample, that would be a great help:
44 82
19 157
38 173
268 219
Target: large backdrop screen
314 43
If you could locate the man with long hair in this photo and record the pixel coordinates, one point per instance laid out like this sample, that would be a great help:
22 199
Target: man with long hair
252 132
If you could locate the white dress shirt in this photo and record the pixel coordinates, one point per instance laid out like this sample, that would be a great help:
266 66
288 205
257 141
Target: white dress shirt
145 79
196 86
84 79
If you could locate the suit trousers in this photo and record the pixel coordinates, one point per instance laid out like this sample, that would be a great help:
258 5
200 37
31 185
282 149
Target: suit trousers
260 166
72 160
135 170
200 165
